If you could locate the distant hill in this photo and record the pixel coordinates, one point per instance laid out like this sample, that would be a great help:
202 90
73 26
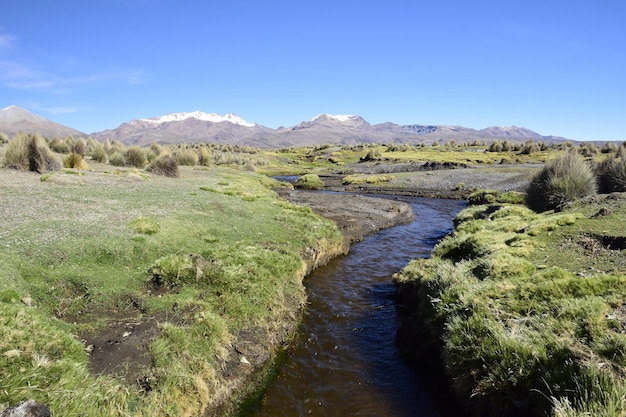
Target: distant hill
324 128
15 119
197 127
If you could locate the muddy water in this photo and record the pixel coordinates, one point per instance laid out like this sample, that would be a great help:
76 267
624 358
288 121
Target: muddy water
344 362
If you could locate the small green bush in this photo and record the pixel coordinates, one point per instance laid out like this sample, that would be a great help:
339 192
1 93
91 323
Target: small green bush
561 181
309 182
136 157
164 165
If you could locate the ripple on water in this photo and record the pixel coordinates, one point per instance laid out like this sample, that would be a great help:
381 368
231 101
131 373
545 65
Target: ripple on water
344 362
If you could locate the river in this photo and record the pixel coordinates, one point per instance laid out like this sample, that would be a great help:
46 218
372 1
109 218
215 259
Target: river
344 362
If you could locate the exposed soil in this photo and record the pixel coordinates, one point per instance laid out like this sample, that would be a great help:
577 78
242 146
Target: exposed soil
356 216
437 181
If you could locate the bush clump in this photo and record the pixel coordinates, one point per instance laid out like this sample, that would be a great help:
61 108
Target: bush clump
561 181
136 157
164 165
117 159
99 154
309 182
30 152
187 157
612 175
74 160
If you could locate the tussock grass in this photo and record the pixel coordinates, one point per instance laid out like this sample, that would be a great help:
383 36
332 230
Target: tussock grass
529 312
309 182
562 180
165 165
30 152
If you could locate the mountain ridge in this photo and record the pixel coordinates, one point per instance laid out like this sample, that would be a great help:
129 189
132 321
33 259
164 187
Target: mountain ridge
198 126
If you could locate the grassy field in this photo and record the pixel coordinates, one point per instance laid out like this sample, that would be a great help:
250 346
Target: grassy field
128 293
199 261
527 310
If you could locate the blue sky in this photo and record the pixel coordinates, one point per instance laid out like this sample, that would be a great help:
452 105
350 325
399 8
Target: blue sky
556 67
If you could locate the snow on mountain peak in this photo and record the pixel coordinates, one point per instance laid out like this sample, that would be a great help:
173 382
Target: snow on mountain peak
207 117
338 117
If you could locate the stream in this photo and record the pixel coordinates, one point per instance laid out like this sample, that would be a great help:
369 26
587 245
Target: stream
344 362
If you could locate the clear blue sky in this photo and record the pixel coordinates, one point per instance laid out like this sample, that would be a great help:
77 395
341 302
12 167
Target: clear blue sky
556 67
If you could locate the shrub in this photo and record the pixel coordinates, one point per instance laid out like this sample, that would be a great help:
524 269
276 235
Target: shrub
562 180
309 182
59 146
99 154
3 138
164 165
30 152
206 158
612 175
117 159
136 157
186 156
74 160
115 146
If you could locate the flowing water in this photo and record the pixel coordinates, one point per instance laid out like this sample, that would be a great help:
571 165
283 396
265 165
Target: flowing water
344 362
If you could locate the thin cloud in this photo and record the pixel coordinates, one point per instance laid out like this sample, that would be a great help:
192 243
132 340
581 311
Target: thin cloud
20 77
6 39
61 110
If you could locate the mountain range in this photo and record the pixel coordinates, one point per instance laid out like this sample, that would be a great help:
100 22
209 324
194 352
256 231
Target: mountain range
195 127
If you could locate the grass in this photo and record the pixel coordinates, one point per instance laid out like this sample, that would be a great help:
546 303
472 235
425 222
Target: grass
528 308
86 250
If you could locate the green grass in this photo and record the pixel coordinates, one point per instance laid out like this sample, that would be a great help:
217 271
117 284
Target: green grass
529 308
82 248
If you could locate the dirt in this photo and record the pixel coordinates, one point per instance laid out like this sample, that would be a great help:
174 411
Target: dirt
438 181
121 349
356 216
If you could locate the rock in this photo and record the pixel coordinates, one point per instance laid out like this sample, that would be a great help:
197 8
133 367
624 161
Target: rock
29 408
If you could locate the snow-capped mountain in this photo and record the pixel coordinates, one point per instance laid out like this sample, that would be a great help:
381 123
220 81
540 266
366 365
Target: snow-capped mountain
190 127
206 117
197 126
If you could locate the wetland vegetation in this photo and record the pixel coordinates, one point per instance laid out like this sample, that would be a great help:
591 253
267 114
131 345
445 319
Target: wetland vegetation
160 280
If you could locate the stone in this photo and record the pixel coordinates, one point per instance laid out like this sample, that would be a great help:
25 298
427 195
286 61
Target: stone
29 408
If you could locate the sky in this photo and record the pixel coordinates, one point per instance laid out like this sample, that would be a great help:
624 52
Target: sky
552 66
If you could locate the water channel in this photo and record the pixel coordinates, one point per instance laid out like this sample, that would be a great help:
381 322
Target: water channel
344 362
